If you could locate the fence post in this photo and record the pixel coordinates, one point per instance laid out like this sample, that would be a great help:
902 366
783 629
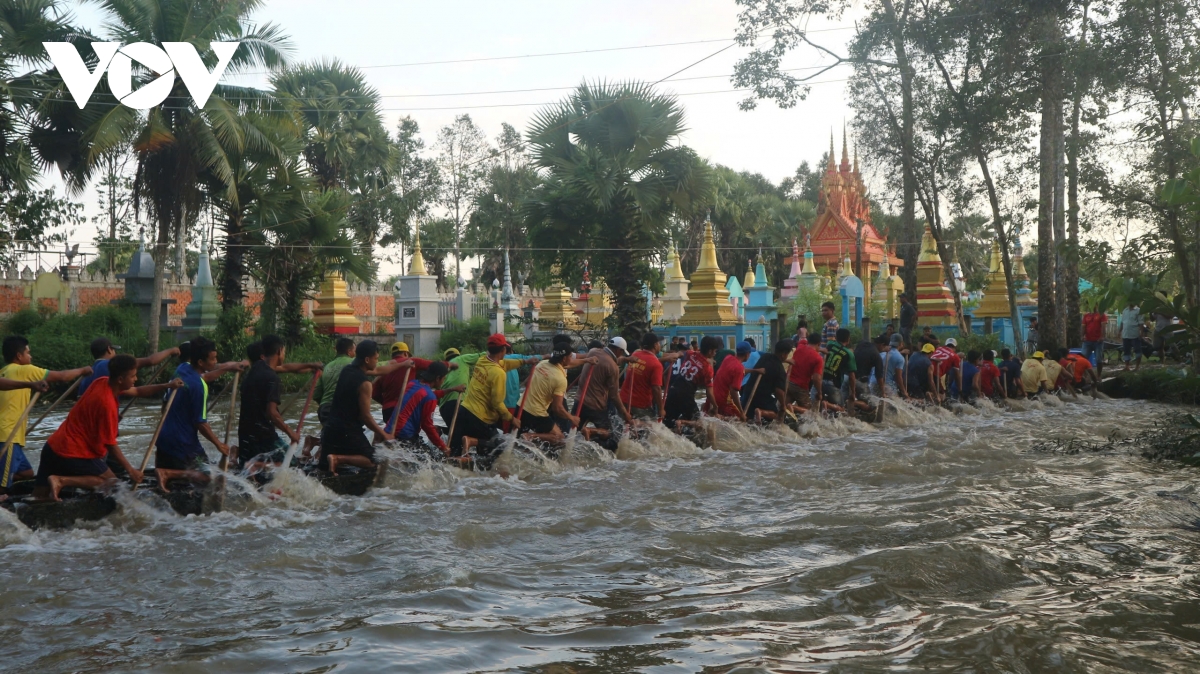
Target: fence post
866 327
987 325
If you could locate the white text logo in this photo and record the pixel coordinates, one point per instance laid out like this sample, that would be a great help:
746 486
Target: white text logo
117 61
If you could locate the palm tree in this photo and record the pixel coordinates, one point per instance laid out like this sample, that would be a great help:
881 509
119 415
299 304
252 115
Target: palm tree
615 175
177 142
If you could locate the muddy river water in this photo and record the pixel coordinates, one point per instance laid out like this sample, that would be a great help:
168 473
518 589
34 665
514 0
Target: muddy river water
936 542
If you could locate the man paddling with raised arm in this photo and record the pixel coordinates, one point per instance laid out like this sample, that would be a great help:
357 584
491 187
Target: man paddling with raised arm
343 438
74 456
603 393
642 391
417 407
179 454
103 350
13 401
483 409
260 398
767 389
690 373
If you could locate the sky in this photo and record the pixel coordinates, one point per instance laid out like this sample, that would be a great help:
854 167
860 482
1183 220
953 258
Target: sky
377 35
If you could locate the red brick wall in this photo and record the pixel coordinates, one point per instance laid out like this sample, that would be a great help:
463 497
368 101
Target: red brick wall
12 299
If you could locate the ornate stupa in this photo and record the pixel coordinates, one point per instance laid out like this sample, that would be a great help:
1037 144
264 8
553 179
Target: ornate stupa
203 310
792 283
809 279
879 289
935 304
417 321
708 300
737 298
995 293
675 301
760 297
1021 277
556 304
333 315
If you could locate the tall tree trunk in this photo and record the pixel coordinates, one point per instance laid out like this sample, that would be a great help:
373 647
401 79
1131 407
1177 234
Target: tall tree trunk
1006 261
909 248
1071 251
1050 324
234 270
1060 225
629 304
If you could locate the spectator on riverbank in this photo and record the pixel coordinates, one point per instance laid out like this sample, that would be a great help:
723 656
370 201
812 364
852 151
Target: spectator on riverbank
1130 325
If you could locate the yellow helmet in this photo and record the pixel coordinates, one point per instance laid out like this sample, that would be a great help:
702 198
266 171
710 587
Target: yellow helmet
399 347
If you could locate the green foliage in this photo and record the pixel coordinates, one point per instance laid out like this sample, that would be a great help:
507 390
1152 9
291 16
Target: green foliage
28 216
466 336
1163 385
61 342
23 322
311 348
977 341
232 334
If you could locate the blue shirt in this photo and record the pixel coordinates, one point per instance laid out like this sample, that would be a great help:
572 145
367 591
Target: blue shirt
412 425
179 437
512 390
99 369
894 367
968 373
749 364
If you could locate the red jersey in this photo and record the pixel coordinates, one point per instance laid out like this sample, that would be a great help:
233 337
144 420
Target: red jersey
1093 327
386 389
946 359
689 374
988 375
727 383
807 363
1081 364
91 425
644 372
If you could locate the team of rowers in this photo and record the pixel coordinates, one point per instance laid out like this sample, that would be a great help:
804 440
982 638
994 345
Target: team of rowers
479 399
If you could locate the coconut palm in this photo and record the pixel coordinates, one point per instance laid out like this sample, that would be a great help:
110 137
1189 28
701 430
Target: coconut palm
615 174
177 142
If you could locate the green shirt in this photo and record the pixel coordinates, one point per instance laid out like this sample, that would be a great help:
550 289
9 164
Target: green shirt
327 384
461 376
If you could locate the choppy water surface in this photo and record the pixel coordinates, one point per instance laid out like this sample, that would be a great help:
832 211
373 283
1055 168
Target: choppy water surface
939 543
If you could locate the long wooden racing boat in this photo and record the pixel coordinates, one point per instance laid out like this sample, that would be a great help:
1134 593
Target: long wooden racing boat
188 498
351 480
76 505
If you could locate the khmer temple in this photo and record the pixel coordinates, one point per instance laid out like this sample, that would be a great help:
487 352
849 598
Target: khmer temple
841 203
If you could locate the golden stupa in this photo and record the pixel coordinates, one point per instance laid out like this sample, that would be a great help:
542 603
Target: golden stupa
995 293
708 299
935 304
557 306
333 314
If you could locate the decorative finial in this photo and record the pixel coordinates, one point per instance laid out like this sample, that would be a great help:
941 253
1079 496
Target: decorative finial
831 165
417 267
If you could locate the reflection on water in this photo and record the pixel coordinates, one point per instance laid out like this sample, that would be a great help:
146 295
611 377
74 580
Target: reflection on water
935 543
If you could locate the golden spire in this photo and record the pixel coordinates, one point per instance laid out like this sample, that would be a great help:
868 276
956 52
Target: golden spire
708 302
929 251
995 293
417 268
674 269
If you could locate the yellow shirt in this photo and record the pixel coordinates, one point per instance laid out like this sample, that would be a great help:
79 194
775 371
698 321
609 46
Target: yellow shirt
13 403
484 396
1053 370
1033 374
546 383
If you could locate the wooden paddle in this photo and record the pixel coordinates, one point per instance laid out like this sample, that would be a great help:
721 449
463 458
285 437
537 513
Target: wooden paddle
391 424
521 407
74 385
454 420
158 430
6 478
583 394
753 390
153 376
666 390
229 419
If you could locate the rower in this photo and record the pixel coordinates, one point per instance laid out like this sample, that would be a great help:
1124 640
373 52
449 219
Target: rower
921 375
1010 369
972 374
545 417
989 377
13 401
691 372
603 390
1033 374
869 357
74 456
728 383
387 389
768 389
894 367
103 350
179 455
839 372
949 366
643 380
807 365
1082 373
343 439
344 347
483 407
416 409
260 415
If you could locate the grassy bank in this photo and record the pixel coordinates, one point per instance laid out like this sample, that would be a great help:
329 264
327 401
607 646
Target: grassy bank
1161 384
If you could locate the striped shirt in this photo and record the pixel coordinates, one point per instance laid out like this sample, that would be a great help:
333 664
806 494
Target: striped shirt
829 332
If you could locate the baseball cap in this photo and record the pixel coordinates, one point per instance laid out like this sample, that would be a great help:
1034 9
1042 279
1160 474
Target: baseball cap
620 343
952 342
101 345
1038 355
400 346
744 347
497 340
928 348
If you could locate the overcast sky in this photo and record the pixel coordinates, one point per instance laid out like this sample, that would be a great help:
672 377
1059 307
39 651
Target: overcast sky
375 34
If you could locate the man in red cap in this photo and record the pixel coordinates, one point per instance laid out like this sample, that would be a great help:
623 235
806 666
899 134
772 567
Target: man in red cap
483 408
